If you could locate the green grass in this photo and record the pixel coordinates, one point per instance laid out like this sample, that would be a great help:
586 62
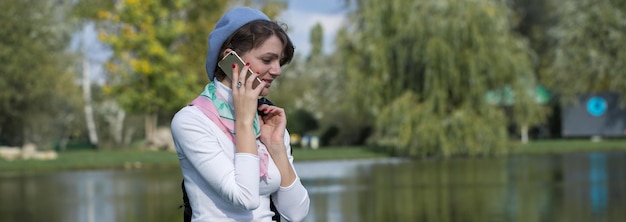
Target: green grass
134 158
95 159
568 146
329 153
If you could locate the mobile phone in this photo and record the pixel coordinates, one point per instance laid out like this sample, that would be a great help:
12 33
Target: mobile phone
226 64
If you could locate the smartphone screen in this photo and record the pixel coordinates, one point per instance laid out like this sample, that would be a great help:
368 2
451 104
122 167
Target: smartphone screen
226 64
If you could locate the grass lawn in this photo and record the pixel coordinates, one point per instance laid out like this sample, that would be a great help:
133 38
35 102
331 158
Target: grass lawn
95 159
330 153
133 158
568 146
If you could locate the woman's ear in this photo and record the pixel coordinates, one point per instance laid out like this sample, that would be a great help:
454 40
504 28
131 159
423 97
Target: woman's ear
225 52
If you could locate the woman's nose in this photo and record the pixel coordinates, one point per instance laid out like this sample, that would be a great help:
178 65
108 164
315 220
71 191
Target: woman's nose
275 69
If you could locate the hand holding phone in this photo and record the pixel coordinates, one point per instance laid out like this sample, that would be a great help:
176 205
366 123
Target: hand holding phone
226 65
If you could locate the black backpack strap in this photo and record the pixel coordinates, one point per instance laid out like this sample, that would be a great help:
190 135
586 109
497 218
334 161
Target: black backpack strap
187 207
276 216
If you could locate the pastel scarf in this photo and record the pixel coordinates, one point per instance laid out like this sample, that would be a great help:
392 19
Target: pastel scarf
226 121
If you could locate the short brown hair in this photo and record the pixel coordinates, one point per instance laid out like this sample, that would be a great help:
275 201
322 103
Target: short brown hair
255 33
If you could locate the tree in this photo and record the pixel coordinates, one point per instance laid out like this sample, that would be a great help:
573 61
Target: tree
145 38
159 50
588 55
37 100
87 98
422 72
301 122
532 19
317 41
314 84
82 17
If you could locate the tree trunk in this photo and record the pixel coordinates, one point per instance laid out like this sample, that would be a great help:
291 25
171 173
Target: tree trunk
86 83
118 127
115 118
151 125
524 132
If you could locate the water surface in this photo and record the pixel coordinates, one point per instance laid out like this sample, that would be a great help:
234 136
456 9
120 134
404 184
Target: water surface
567 187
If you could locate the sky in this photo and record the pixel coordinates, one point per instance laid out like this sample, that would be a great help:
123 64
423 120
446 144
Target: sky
300 16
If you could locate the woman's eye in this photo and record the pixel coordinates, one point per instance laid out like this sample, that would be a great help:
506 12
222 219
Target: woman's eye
267 61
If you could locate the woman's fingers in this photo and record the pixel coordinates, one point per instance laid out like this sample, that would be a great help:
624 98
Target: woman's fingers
255 78
264 108
240 80
242 74
273 110
239 77
235 78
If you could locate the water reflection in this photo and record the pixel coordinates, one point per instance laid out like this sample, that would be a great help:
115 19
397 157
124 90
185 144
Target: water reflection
89 196
333 186
572 187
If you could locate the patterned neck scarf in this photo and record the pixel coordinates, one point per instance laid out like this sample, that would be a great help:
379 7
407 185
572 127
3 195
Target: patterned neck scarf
223 106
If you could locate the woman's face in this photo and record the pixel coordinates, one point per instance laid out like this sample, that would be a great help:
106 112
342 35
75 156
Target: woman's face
265 60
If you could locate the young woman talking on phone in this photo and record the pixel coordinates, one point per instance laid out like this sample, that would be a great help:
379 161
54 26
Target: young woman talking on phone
234 153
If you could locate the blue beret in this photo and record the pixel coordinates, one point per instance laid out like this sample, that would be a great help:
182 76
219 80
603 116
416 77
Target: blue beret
226 26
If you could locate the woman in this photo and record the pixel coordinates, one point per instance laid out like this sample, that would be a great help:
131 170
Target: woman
232 158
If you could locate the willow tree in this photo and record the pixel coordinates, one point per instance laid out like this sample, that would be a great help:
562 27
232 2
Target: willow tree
422 69
590 48
313 84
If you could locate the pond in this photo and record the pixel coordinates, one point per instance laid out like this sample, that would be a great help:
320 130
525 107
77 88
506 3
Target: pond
566 187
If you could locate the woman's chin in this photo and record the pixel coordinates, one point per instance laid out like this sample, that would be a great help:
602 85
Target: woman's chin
265 91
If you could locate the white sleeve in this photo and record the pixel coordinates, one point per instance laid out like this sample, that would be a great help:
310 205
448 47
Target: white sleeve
292 202
236 181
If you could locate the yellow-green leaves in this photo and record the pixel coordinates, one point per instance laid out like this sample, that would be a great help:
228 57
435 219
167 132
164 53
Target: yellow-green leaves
145 35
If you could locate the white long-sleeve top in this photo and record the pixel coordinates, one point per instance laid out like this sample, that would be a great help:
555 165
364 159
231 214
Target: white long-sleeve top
226 186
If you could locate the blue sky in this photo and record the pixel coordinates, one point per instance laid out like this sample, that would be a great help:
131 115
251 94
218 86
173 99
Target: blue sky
301 15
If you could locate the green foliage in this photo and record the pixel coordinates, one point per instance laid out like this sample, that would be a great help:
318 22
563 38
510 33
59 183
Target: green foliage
301 122
38 97
588 55
201 17
532 19
317 41
464 131
272 8
149 75
424 69
159 50
316 84
328 135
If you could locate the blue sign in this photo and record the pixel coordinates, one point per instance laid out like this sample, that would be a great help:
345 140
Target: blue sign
596 106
